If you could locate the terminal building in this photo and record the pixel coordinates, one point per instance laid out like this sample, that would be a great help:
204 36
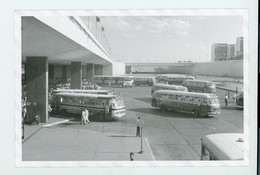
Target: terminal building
60 46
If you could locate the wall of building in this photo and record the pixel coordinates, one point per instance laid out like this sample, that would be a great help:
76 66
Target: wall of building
57 71
233 68
219 68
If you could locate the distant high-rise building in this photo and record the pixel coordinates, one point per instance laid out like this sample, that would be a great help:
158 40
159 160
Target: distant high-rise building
219 51
230 51
239 46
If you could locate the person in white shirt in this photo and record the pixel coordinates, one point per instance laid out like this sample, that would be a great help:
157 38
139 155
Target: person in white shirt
84 116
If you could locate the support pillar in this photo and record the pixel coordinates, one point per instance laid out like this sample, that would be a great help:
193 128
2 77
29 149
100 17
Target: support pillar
90 72
51 71
37 88
98 69
76 75
64 73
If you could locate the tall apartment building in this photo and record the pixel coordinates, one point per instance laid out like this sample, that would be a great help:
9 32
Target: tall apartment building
230 51
239 46
219 51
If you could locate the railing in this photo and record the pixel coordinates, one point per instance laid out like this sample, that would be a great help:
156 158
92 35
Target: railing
90 38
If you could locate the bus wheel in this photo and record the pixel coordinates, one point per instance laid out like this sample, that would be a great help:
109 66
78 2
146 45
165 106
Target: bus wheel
162 107
196 113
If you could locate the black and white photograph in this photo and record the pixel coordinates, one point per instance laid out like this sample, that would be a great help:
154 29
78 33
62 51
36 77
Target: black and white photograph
133 88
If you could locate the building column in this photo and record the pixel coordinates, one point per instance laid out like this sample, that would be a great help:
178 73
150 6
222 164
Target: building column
64 73
90 72
98 69
37 88
76 75
51 71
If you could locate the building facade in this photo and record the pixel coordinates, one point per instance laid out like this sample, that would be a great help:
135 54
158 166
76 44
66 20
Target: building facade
230 51
240 46
219 52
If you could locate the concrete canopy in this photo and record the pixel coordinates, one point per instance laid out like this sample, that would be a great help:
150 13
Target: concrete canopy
39 39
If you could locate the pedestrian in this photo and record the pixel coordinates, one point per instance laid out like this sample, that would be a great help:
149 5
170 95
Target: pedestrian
49 110
131 156
84 116
87 115
107 110
226 100
234 97
138 134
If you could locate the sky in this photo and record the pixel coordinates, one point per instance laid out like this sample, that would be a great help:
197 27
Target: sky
140 39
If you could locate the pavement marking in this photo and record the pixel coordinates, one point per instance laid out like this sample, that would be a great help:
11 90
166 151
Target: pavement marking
32 134
150 148
51 124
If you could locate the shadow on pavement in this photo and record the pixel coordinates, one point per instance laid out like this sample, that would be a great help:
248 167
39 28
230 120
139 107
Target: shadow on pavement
147 100
169 113
239 108
121 136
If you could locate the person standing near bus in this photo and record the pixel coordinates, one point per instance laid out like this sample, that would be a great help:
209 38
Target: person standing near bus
226 100
138 134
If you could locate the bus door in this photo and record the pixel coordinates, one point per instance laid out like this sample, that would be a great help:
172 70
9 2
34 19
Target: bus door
203 106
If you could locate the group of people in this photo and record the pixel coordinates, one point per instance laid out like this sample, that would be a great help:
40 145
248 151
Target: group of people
227 98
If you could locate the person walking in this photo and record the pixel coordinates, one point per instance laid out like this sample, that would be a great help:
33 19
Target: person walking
234 97
84 116
226 100
138 134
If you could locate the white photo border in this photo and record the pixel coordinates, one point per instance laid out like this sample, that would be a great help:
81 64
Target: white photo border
173 12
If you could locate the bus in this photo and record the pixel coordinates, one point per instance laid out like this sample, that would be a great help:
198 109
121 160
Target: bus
176 79
148 81
197 103
224 146
200 86
108 92
66 102
168 87
240 98
122 81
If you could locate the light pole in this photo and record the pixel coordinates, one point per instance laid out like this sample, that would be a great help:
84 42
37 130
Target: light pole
141 150
141 131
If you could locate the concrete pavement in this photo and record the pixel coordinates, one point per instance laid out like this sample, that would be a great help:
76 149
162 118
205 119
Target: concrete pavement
54 143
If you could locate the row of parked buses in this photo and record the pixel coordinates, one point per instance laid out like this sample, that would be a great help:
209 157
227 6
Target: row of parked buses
184 93
123 81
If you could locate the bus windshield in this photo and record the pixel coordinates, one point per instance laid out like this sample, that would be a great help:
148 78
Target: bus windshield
212 101
117 102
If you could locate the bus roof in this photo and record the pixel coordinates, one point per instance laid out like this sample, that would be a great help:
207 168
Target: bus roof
142 77
201 81
81 90
169 86
225 146
172 75
85 95
112 76
194 94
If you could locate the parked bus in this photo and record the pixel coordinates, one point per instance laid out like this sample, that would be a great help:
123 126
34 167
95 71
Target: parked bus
224 146
240 98
122 81
200 86
96 104
148 81
196 103
176 79
168 87
108 92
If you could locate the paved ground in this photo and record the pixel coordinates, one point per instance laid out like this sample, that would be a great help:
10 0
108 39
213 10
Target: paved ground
166 135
